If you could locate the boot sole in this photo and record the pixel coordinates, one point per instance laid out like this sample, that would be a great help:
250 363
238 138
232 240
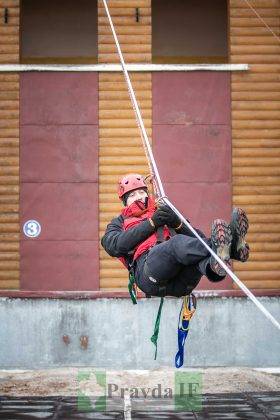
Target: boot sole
221 238
240 226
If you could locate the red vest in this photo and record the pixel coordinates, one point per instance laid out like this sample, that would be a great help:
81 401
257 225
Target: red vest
135 214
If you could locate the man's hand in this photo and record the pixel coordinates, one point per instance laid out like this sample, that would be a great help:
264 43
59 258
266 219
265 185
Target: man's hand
164 215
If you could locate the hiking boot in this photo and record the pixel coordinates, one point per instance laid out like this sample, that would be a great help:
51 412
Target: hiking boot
221 238
239 226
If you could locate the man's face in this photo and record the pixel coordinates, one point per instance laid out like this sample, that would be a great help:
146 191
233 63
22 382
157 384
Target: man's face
135 195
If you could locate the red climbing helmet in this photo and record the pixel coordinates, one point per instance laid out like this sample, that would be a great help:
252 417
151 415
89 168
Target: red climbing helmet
130 182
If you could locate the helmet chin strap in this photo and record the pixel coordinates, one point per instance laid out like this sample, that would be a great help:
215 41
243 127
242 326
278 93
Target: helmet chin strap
158 187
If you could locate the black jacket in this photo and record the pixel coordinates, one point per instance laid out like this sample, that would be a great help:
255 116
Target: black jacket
120 243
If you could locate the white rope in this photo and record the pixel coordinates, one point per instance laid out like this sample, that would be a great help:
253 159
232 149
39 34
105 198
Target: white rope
262 20
144 136
150 157
230 273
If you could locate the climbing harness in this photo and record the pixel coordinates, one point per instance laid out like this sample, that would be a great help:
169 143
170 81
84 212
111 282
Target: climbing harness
158 187
187 311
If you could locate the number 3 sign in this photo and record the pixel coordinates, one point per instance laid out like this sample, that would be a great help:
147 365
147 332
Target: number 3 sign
32 228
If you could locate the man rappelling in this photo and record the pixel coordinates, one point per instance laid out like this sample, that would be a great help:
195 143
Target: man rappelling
163 255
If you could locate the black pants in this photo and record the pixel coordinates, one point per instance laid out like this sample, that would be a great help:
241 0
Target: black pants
174 267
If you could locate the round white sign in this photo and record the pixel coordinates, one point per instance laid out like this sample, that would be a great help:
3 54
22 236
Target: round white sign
32 228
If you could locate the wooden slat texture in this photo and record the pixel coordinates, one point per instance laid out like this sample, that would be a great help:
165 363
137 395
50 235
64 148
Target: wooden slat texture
9 39
256 152
257 4
120 145
264 12
135 37
9 148
256 136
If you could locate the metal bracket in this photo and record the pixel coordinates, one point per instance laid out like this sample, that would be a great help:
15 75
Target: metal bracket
137 14
6 15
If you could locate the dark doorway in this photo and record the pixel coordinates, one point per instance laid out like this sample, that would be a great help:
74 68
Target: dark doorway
59 32
193 31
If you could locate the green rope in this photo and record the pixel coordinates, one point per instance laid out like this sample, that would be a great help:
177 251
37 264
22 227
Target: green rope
131 288
154 337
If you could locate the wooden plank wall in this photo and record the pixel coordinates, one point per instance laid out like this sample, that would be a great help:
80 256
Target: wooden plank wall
255 131
120 146
256 136
9 148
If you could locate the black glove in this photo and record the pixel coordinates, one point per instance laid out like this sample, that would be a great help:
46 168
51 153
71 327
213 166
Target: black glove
164 215
174 221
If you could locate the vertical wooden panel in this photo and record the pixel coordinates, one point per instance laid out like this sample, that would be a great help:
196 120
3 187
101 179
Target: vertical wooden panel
190 138
255 136
120 146
9 40
9 148
59 171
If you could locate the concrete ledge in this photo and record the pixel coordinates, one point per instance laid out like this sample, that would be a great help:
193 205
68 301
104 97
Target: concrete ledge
100 294
115 334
